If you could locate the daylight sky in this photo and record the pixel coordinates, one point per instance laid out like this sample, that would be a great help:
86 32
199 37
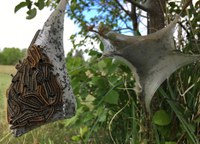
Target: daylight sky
17 31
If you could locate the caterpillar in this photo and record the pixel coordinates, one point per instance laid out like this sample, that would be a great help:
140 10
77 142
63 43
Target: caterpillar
35 91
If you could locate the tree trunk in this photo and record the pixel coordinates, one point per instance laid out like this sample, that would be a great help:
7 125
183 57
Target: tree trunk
155 14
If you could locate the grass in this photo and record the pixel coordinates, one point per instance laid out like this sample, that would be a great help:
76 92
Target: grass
52 133
4 83
7 69
5 79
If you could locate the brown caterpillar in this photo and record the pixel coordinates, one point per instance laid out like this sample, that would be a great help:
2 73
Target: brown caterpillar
35 92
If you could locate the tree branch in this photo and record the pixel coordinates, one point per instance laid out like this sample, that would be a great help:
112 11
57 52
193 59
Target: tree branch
186 4
127 12
142 7
134 21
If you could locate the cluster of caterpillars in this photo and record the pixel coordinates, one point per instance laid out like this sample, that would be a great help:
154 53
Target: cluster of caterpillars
35 94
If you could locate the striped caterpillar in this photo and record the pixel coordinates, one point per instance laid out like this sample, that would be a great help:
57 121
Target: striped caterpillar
35 93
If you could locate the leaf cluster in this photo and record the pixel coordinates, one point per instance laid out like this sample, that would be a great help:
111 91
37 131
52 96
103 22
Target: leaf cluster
100 92
32 7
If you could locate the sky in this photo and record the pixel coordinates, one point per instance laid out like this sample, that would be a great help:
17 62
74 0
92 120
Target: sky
17 31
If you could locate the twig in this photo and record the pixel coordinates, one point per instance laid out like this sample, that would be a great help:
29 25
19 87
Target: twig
127 12
134 18
180 139
185 29
186 4
188 89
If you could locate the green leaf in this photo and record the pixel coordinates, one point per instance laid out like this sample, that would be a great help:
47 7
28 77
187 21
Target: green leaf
93 53
20 5
161 118
73 6
83 131
102 117
95 80
29 4
40 4
76 138
112 97
101 65
48 2
113 79
172 4
102 114
101 46
31 13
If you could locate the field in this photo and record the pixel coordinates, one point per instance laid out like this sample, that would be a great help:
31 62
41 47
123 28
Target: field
5 78
52 133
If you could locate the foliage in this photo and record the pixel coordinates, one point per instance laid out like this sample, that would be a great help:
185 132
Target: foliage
108 109
124 121
101 92
32 7
10 56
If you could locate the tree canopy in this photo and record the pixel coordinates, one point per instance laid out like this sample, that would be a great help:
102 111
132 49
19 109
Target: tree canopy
10 56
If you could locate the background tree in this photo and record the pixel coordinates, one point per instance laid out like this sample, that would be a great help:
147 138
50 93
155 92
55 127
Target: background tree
10 56
108 109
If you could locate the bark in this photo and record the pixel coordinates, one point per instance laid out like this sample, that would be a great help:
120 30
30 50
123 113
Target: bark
155 10
134 19
155 14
